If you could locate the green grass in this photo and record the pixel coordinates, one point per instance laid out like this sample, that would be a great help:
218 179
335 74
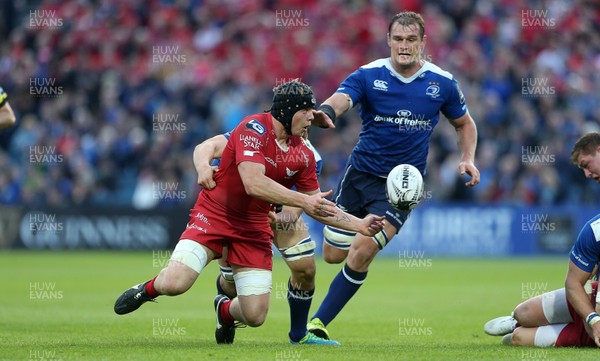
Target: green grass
434 311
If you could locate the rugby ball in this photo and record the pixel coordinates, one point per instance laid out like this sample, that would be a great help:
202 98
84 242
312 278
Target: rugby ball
404 187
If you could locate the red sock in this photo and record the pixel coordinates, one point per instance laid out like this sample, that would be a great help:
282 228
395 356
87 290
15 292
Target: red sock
224 313
150 290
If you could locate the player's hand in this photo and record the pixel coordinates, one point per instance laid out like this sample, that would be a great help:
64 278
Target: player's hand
322 120
272 218
318 205
205 176
596 333
371 225
470 169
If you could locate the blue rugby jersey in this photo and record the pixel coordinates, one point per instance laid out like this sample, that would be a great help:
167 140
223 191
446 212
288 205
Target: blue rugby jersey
585 253
398 114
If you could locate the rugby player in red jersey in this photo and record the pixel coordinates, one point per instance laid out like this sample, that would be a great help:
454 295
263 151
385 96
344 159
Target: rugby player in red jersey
264 158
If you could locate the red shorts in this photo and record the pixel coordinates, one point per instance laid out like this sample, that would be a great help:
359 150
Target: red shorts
245 248
574 334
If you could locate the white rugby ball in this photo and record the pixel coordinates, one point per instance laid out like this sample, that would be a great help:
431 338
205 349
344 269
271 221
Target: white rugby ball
404 187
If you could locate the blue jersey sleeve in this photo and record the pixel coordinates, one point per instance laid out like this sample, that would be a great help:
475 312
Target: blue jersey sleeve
353 85
217 161
455 106
586 250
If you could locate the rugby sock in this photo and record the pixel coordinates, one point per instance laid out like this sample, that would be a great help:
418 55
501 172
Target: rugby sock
299 302
225 314
150 290
341 290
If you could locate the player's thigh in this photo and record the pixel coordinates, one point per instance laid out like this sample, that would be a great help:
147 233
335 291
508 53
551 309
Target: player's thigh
187 261
253 287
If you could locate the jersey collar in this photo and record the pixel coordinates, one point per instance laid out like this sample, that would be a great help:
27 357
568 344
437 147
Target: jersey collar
393 72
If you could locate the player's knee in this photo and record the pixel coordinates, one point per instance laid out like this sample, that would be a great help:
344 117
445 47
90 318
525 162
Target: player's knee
521 312
362 253
305 276
518 337
173 284
333 257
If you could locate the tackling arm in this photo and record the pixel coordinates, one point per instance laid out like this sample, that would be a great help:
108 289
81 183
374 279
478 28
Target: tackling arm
574 286
339 103
204 153
314 204
466 131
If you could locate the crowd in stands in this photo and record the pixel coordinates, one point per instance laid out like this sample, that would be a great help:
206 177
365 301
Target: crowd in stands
112 96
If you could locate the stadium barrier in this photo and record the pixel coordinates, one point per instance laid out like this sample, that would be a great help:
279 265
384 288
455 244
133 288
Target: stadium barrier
463 230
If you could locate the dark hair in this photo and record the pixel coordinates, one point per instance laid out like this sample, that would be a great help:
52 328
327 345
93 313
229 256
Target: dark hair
406 18
587 144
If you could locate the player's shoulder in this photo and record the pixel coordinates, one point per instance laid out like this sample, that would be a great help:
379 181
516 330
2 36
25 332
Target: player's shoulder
436 71
376 64
591 230
256 124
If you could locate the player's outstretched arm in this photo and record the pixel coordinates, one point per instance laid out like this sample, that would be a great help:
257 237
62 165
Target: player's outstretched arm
7 116
466 130
204 153
574 286
330 109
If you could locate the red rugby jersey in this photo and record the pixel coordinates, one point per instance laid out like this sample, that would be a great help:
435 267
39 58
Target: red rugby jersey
254 140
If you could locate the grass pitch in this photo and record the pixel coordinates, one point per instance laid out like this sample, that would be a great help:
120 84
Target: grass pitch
59 306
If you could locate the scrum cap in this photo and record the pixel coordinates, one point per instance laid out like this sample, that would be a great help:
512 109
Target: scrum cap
288 99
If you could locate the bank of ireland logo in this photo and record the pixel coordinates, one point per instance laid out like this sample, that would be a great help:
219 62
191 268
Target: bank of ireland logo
404 115
433 91
380 85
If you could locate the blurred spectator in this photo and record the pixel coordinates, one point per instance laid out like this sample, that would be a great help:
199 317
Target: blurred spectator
112 96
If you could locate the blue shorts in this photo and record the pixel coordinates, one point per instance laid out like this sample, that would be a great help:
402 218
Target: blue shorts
360 193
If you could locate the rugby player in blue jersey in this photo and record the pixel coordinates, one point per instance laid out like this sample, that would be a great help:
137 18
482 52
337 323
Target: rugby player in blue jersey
400 100
291 239
568 316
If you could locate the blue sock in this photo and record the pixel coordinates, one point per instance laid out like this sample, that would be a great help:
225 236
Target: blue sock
341 290
299 302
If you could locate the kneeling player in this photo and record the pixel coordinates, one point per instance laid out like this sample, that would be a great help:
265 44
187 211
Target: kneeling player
290 237
547 320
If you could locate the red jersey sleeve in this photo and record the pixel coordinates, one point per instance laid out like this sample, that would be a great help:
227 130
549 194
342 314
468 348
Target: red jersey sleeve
250 138
307 181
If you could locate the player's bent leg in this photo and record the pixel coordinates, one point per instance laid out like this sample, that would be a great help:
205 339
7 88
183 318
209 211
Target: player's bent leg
547 308
254 289
187 261
543 336
336 243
